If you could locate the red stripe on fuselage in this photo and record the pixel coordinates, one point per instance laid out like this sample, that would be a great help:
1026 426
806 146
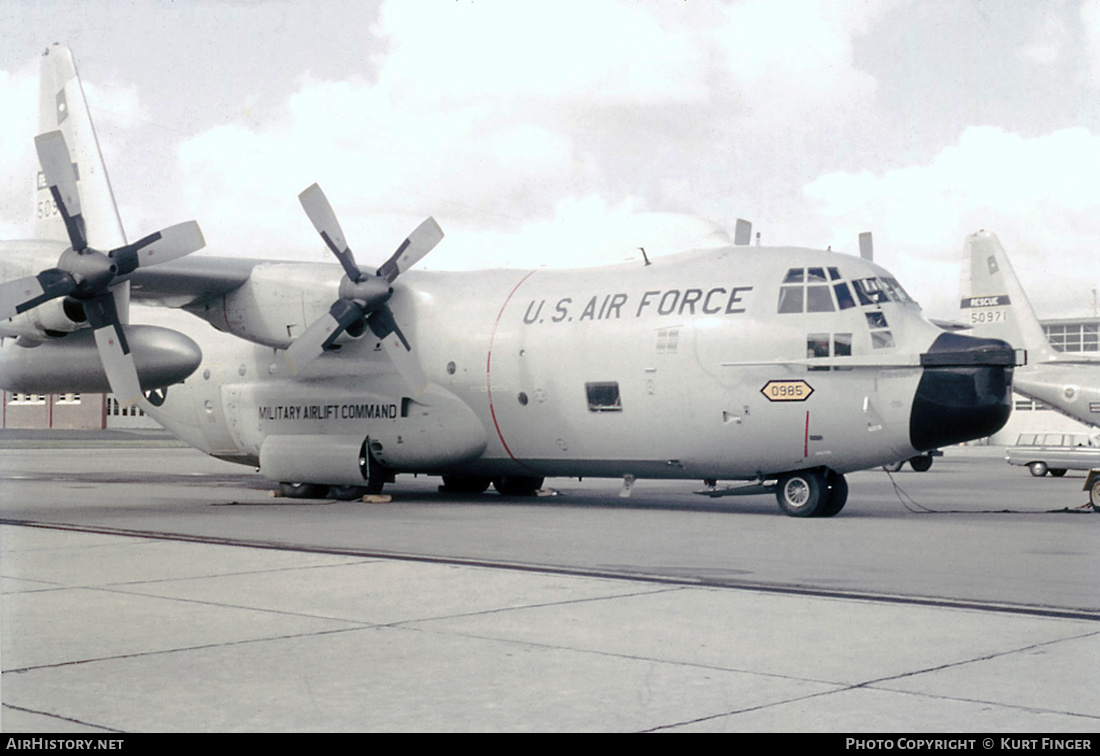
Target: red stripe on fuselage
489 363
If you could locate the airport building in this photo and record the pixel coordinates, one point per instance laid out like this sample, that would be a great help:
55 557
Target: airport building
70 412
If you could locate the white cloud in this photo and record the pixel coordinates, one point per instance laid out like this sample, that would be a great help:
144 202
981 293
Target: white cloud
1041 195
583 232
18 122
1090 18
797 57
445 52
1049 42
495 115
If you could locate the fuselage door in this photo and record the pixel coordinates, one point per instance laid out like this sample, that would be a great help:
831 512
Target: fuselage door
211 412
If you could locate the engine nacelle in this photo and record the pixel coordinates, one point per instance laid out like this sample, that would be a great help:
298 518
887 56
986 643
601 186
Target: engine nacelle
72 364
49 319
275 305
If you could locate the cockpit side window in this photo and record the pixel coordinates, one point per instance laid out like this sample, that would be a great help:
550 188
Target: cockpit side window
881 336
897 293
876 320
817 346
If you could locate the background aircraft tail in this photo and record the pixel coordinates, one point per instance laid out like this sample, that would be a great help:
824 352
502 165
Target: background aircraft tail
61 106
994 304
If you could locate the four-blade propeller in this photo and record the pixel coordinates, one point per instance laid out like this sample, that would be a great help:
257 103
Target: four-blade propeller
363 296
87 275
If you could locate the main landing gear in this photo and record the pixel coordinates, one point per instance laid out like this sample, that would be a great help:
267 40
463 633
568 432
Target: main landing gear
516 485
812 493
374 478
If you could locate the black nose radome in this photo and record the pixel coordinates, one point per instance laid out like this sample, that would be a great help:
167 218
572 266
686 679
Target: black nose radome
965 392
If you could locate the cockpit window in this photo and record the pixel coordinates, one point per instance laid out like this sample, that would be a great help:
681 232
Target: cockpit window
818 299
805 290
870 292
843 296
879 290
790 299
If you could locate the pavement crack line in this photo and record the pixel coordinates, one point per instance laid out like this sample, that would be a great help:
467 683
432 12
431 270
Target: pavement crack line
61 718
877 685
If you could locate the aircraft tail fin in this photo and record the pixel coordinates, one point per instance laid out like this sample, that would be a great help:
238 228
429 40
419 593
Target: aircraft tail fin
994 304
62 107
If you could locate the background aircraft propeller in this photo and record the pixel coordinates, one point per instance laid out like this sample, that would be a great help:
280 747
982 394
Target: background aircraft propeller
363 296
87 274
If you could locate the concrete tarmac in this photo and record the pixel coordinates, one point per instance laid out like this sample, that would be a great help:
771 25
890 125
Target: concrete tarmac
109 632
106 633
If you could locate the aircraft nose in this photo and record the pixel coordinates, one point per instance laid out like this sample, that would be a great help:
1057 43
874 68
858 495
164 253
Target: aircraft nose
965 392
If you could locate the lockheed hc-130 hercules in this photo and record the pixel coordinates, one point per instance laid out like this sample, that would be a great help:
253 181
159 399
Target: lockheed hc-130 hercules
774 367
995 305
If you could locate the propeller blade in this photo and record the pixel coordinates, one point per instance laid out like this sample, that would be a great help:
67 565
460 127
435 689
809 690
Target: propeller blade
57 167
26 293
114 351
419 243
399 350
321 214
167 244
321 334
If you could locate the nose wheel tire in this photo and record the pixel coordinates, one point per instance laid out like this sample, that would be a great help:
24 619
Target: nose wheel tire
800 494
812 493
838 495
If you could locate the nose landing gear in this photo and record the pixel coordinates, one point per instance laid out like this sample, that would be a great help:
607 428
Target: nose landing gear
812 493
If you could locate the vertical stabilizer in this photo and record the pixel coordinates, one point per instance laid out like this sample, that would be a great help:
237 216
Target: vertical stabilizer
62 106
994 304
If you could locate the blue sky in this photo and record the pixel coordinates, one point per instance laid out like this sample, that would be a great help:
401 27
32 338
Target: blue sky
570 133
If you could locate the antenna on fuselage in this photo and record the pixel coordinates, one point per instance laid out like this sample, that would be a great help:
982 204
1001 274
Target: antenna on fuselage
866 247
644 255
742 233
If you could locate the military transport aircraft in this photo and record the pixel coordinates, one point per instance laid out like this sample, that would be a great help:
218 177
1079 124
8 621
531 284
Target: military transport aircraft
781 368
994 305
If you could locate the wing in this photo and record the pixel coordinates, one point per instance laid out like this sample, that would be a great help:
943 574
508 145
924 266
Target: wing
190 280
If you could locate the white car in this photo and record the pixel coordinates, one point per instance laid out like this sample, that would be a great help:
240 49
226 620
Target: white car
1055 452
